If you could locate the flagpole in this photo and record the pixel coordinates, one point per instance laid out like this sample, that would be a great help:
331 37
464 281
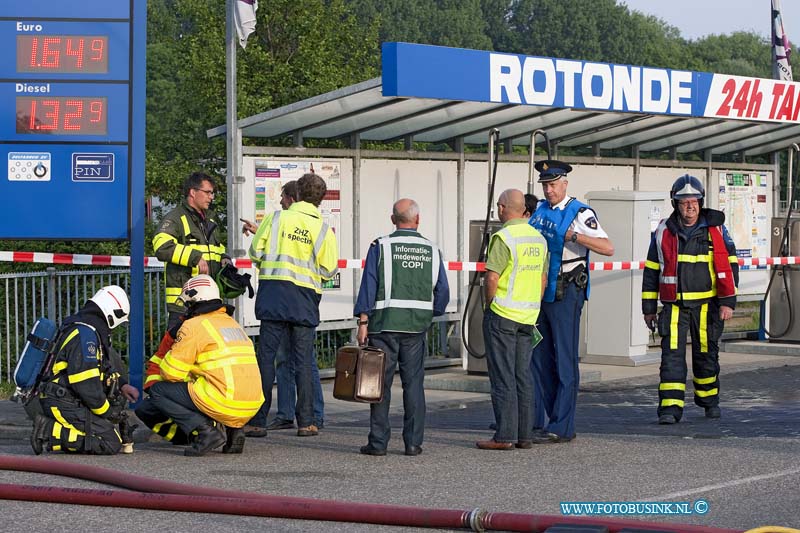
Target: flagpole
232 135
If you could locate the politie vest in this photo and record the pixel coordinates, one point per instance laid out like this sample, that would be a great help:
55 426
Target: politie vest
408 270
553 225
696 260
519 288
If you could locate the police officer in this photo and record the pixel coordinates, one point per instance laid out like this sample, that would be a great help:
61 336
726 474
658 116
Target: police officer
211 385
403 287
294 250
572 231
692 268
516 272
188 242
84 394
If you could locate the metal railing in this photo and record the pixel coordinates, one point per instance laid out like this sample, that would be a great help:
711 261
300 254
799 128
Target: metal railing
24 297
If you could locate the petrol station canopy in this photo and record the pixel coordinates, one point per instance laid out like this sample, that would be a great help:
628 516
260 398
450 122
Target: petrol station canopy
436 94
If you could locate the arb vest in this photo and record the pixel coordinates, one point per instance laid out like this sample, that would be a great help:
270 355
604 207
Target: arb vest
696 267
408 270
519 288
553 225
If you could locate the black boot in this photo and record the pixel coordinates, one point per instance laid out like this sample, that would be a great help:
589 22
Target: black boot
40 434
235 441
208 437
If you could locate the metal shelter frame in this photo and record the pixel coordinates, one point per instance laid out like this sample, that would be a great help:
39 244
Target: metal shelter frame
361 112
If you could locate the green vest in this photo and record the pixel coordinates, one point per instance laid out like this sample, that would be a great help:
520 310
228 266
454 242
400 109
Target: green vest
408 269
519 289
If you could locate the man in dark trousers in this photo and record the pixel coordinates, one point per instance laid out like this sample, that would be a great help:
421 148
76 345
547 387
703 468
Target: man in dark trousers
294 250
572 230
84 394
403 287
692 268
516 273
284 372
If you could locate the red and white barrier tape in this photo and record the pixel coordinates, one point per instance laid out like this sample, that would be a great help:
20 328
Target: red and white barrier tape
124 261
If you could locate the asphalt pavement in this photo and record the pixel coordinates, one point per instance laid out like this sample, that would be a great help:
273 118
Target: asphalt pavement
743 465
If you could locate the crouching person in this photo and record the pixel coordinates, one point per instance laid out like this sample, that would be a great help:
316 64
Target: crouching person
83 395
147 412
211 384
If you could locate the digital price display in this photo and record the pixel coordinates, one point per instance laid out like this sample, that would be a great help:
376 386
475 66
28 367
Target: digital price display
66 115
62 53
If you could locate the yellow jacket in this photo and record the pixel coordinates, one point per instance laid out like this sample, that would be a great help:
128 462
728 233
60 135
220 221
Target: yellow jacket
217 356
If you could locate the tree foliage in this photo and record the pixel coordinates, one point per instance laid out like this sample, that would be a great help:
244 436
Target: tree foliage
303 48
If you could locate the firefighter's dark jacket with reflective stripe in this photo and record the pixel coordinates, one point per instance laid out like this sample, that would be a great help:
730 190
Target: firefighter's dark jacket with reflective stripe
83 367
690 266
183 238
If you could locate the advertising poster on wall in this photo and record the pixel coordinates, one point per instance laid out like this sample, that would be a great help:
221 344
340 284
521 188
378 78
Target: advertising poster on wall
270 177
743 199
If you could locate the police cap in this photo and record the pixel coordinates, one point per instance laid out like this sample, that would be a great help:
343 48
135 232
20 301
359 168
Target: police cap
551 169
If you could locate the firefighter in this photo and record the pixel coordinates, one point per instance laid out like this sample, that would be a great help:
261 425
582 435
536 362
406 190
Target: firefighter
147 412
83 395
188 242
211 385
692 268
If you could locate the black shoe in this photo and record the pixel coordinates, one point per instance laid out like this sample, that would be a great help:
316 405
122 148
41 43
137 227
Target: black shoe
713 412
208 438
550 438
235 440
280 423
524 444
40 434
369 450
254 431
413 450
667 419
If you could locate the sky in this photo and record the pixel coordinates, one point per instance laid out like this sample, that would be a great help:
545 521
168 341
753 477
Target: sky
698 18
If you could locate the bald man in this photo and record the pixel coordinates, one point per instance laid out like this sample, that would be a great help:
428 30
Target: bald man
516 275
403 287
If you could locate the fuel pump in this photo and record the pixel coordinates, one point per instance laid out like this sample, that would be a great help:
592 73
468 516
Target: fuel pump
785 243
479 234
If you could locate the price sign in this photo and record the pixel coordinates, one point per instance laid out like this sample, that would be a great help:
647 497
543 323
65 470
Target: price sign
68 117
62 53
63 115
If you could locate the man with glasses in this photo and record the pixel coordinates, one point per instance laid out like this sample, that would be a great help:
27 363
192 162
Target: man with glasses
188 242
692 268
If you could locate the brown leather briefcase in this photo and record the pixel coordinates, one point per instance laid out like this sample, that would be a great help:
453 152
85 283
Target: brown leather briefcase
359 374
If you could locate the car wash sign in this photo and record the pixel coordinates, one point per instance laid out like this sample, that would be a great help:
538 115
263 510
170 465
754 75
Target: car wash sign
423 71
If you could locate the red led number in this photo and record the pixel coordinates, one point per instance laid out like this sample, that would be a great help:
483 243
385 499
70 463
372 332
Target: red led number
51 55
61 115
77 51
62 53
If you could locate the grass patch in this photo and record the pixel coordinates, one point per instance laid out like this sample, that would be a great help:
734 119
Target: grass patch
6 390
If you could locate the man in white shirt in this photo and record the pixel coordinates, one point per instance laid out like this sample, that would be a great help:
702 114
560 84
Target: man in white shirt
572 230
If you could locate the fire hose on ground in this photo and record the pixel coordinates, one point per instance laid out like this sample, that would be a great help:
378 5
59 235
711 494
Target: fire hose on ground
155 494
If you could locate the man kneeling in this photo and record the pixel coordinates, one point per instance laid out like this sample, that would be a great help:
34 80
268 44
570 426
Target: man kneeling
83 395
211 384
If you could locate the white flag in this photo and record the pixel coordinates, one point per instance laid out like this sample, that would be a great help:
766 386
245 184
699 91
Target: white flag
781 49
244 17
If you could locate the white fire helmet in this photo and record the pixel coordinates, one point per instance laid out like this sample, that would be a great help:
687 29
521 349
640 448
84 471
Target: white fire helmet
113 302
201 288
